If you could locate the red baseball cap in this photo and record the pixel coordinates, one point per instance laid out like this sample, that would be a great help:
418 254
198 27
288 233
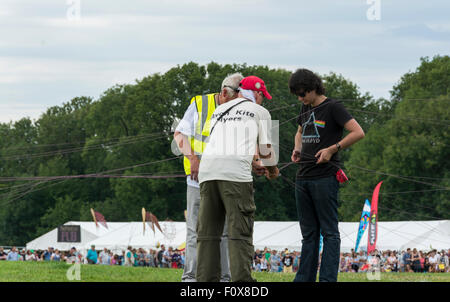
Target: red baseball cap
256 84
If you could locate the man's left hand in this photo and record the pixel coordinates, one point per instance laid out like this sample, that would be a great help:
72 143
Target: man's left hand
324 155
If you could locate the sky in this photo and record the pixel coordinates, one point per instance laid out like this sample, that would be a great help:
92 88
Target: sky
54 50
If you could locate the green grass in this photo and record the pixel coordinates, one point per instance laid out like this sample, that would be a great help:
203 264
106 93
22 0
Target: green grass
56 272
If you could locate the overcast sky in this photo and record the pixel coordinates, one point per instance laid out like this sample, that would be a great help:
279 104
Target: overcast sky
53 50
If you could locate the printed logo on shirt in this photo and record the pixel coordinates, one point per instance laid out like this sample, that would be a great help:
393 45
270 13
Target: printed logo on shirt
310 133
320 124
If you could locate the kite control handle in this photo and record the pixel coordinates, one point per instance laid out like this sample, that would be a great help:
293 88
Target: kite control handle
341 177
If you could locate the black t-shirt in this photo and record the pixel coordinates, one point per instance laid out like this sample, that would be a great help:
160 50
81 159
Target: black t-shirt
287 260
322 127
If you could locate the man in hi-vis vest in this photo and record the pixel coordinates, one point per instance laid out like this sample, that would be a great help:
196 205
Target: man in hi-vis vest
191 137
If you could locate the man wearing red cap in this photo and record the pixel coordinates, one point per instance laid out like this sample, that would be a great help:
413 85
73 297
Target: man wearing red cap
239 130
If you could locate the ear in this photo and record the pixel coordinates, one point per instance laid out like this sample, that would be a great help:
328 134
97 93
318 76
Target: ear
225 93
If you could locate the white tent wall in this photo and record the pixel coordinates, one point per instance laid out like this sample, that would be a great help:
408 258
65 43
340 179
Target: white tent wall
279 235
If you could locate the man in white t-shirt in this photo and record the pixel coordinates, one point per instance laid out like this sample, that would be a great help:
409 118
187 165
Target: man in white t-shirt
239 130
191 135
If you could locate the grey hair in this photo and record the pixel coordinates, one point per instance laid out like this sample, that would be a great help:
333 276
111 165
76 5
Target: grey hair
232 80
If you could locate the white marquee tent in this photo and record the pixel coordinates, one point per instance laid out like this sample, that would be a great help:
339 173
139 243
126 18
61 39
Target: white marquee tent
397 235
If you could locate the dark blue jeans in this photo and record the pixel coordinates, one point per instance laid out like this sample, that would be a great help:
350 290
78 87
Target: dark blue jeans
317 206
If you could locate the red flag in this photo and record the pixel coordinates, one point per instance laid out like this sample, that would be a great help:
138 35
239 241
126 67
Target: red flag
98 217
373 222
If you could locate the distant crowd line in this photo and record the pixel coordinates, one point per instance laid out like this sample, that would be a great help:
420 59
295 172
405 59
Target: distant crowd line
169 258
265 260
383 261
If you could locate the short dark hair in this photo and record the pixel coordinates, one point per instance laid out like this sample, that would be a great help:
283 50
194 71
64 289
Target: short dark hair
304 80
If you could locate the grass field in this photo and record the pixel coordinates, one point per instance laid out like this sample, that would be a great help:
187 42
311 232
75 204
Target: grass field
57 272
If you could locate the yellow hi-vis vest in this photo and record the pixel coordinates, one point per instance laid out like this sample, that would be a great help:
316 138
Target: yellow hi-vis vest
206 105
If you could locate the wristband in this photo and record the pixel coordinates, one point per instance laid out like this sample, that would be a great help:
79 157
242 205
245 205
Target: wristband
338 146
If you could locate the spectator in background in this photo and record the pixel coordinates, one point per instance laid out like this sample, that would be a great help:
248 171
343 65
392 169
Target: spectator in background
129 257
267 255
287 260
122 258
183 259
176 259
56 256
264 264
22 255
73 256
355 262
160 255
258 255
256 264
104 257
47 255
362 259
275 262
149 260
166 256
3 254
142 256
136 257
433 261
30 256
447 261
348 262
415 261
296 262
401 262
92 256
13 255
392 262
422 262
342 263
111 257
407 260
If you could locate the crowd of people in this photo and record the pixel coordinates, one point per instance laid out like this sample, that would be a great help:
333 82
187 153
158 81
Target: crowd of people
393 261
265 260
386 261
164 258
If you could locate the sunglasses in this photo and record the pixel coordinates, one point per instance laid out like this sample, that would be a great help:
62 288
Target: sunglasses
233 88
301 94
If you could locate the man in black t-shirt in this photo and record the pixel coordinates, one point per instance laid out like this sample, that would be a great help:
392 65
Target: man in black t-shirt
317 142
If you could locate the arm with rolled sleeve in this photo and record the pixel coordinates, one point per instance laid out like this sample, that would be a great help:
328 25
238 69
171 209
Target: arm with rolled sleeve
184 130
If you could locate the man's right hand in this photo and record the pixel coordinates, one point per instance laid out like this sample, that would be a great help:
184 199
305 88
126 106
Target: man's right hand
195 163
295 157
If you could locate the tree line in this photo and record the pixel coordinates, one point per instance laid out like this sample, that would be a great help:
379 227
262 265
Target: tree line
128 131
